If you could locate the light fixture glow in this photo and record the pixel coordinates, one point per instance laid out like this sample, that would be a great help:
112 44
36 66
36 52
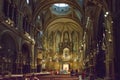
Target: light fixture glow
38 17
61 4
27 1
107 13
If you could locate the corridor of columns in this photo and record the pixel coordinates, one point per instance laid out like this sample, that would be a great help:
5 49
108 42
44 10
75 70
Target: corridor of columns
47 37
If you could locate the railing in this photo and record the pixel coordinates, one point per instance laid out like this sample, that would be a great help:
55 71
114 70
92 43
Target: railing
40 76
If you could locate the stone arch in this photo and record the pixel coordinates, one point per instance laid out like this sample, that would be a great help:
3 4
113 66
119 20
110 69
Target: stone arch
26 57
8 51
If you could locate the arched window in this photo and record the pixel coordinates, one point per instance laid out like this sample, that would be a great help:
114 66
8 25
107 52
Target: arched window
10 10
6 8
24 23
66 37
58 37
15 16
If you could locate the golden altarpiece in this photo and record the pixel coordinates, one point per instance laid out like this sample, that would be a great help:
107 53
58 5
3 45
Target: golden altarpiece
61 43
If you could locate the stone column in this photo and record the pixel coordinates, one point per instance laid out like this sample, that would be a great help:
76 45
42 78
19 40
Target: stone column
19 62
109 62
109 50
33 67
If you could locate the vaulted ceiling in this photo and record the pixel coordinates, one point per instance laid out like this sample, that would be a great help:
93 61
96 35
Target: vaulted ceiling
50 16
60 15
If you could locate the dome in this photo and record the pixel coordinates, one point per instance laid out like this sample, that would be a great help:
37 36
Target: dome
60 9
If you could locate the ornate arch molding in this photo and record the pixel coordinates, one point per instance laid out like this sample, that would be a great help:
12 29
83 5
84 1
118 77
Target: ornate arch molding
57 21
56 18
11 35
47 3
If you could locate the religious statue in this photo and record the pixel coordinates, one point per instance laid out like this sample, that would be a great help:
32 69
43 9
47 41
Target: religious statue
66 54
